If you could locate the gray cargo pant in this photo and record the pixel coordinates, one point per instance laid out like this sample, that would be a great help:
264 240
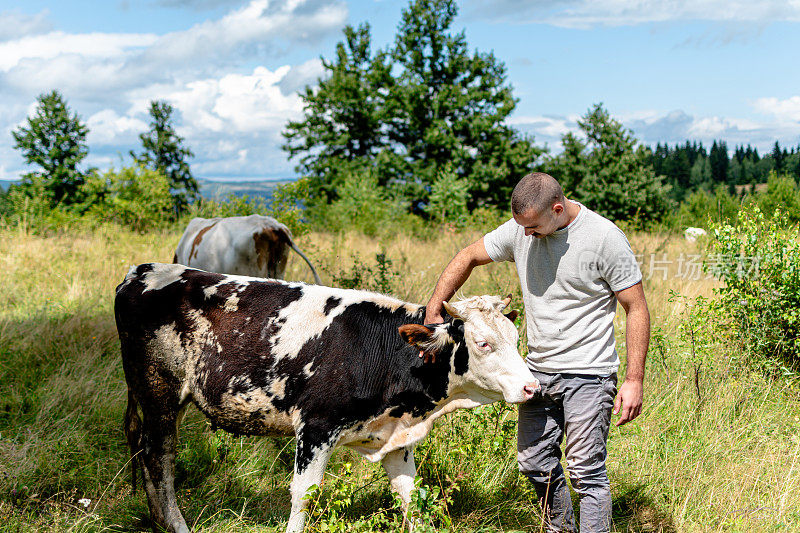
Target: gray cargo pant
580 407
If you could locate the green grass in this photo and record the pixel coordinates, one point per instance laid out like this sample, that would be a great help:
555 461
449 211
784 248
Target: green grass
728 460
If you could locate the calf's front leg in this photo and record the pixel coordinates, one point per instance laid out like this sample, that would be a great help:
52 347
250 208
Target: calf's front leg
309 467
400 469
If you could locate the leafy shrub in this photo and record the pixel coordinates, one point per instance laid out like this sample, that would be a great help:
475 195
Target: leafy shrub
758 259
23 205
133 196
377 278
700 207
447 203
230 205
486 218
29 207
781 193
363 205
427 510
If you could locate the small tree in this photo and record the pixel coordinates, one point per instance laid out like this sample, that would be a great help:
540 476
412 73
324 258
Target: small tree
609 172
134 196
782 192
448 199
55 141
163 151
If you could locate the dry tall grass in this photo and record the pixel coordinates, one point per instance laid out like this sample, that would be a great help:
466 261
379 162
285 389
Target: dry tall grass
726 459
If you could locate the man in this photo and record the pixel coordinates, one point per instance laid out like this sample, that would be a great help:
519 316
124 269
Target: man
573 266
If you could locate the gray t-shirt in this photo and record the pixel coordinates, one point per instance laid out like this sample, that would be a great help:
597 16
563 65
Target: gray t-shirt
568 282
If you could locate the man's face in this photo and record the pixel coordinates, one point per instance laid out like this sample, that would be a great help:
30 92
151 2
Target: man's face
540 224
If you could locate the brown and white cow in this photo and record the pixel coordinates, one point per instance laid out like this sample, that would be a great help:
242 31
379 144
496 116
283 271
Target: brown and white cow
329 366
255 245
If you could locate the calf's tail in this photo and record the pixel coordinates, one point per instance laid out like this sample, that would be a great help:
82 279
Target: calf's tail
133 431
301 254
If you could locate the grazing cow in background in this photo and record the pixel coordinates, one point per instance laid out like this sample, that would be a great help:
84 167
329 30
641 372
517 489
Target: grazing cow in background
329 366
254 245
692 234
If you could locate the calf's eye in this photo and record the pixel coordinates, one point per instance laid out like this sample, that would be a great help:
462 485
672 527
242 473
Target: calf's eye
483 345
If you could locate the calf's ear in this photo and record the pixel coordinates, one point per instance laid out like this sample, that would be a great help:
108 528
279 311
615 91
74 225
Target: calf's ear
429 341
512 315
416 334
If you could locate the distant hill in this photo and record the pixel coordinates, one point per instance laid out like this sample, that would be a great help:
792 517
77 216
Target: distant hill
219 189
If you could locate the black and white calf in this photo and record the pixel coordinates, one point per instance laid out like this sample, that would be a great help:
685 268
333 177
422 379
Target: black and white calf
330 366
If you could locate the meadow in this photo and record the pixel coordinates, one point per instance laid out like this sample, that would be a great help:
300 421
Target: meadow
715 449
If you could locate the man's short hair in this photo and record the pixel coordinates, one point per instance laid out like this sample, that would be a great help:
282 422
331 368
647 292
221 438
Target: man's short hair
538 191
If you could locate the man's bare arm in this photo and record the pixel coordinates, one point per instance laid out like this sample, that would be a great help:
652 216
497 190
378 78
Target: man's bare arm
453 277
637 338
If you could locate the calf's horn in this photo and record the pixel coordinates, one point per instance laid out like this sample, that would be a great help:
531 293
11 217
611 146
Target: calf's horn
506 302
452 311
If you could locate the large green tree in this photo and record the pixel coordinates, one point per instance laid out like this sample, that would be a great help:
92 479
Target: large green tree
423 105
163 151
451 108
616 178
54 140
343 127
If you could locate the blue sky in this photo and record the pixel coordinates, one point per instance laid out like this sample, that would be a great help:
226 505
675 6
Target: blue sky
670 70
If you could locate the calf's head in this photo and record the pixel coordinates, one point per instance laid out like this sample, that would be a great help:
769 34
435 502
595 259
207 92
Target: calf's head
483 342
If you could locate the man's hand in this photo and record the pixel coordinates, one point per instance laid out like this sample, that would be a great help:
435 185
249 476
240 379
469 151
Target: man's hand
453 277
637 336
629 399
433 317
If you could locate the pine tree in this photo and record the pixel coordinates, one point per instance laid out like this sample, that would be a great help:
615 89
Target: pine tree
163 151
777 158
718 158
54 140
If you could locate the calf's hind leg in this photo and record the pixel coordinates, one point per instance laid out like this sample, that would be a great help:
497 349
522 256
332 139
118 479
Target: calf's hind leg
159 445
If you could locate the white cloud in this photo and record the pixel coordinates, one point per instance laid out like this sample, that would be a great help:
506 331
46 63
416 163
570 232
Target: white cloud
589 13
14 25
238 103
783 110
301 75
253 28
91 46
199 5
546 128
106 127
230 115
95 64
651 127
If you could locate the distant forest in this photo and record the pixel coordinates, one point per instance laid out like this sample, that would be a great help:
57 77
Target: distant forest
689 167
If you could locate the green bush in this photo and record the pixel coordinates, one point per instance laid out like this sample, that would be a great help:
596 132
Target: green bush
758 260
29 207
363 205
230 205
781 193
447 203
134 196
701 207
380 278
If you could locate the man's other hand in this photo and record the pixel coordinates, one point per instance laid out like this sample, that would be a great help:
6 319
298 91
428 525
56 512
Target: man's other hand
629 399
